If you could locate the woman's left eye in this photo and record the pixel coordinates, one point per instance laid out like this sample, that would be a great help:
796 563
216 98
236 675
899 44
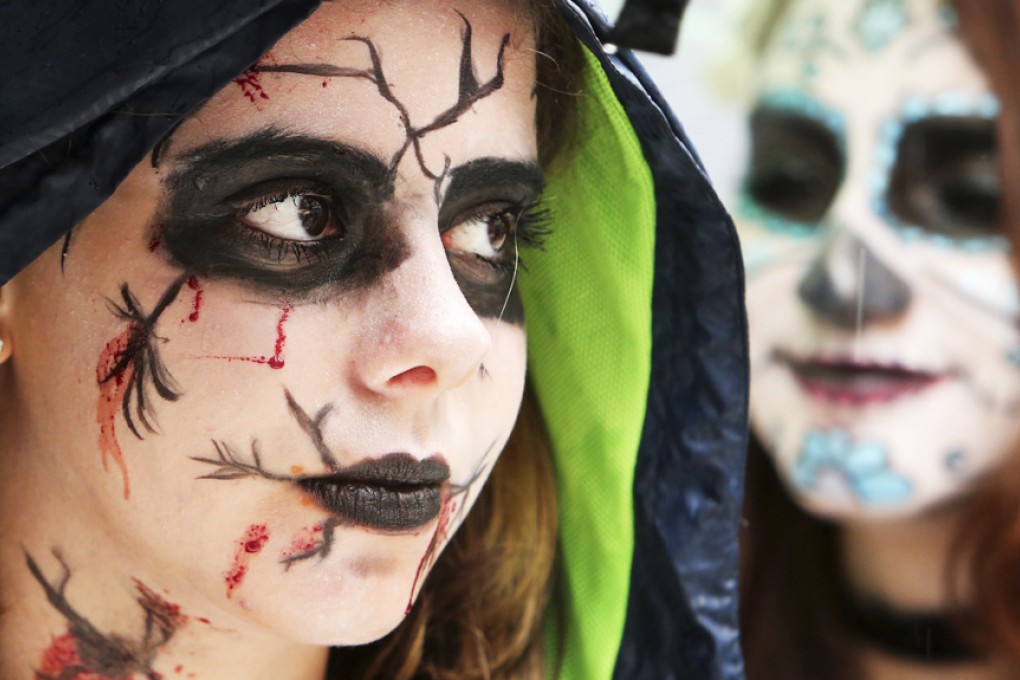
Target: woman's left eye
485 234
297 217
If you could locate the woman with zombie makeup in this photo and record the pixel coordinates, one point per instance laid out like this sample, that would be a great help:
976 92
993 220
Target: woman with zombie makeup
882 306
266 268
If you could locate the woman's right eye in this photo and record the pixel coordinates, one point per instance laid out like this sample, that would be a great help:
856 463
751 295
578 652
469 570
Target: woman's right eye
294 217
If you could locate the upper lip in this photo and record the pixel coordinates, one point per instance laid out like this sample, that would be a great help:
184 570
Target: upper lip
393 469
395 492
843 378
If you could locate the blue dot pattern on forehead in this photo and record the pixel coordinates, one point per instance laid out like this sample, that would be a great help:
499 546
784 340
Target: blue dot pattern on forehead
879 21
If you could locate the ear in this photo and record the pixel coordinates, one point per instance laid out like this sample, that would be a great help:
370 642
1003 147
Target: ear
6 341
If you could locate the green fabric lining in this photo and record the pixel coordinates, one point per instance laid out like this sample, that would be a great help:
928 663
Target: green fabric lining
588 299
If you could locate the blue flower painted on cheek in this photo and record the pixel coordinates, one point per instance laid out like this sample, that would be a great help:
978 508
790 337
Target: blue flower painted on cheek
864 466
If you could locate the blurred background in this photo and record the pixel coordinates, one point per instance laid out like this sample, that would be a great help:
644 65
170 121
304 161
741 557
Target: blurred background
713 120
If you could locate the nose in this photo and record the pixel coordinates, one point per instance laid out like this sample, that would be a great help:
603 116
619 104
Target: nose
422 335
848 285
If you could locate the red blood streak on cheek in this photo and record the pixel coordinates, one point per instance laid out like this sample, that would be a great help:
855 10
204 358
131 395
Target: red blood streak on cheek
438 537
306 539
249 546
276 361
196 304
109 403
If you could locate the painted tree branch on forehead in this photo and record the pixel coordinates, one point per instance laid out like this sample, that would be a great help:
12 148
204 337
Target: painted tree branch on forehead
470 91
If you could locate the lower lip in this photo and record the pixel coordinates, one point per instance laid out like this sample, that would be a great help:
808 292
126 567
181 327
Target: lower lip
863 388
374 506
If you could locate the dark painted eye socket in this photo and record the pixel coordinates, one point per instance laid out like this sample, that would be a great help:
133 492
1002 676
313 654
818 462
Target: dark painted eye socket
946 178
796 165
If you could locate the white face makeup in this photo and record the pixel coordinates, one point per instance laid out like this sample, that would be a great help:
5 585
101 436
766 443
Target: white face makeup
881 302
282 359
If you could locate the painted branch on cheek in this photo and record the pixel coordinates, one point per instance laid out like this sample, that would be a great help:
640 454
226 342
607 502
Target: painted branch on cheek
85 653
128 365
394 493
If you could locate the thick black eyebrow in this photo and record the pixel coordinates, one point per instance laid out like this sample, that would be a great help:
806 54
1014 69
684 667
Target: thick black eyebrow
224 167
490 179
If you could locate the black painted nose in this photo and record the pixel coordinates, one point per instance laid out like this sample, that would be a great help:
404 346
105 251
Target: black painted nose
847 285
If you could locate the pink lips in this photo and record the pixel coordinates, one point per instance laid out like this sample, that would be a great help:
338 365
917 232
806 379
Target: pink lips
842 380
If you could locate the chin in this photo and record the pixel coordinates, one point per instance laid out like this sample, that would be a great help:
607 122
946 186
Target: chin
359 593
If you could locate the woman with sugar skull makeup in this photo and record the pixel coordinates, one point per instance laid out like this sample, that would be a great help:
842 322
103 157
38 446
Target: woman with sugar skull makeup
263 345
883 313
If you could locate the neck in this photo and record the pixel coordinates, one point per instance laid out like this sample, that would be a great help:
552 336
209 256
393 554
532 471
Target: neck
903 563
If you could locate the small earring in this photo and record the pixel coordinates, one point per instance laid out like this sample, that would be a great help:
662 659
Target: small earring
5 350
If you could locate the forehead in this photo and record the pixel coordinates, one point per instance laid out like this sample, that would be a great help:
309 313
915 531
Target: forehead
869 55
419 48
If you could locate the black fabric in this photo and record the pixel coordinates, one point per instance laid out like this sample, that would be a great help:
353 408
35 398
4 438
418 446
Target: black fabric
649 25
925 637
682 611
83 76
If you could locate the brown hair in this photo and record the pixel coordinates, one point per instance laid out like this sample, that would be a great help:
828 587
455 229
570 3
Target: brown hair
791 618
989 547
481 611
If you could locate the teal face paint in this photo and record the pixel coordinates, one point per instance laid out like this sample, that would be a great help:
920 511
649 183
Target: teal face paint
798 147
879 21
863 466
947 108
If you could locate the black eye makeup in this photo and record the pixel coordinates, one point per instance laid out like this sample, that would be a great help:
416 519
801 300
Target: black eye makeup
299 216
489 212
796 165
946 178
280 212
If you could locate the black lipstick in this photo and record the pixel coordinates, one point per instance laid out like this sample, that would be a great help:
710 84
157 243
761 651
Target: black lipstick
396 492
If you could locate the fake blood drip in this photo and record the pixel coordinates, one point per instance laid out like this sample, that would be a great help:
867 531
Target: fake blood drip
248 547
156 240
111 395
276 360
304 541
250 83
196 303
429 558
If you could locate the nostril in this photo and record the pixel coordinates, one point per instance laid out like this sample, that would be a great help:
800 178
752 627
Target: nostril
419 375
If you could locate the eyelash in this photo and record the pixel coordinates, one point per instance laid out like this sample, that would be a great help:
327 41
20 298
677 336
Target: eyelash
280 248
531 231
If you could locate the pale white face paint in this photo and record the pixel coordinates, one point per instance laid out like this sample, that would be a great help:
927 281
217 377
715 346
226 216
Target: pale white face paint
881 301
